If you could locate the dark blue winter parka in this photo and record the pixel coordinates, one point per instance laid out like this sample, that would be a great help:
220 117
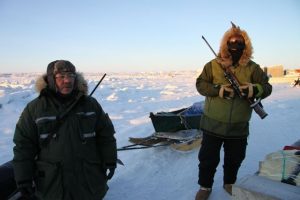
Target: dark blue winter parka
66 158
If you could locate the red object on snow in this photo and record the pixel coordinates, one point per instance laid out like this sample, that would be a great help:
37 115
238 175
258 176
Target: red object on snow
291 148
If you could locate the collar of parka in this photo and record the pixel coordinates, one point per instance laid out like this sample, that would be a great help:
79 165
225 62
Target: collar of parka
224 56
80 83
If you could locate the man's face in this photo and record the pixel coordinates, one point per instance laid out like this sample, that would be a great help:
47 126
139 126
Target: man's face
65 82
236 43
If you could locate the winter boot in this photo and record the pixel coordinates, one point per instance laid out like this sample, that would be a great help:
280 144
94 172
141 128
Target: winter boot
203 193
228 188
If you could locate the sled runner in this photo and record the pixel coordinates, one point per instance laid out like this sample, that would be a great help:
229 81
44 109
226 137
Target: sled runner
182 140
187 145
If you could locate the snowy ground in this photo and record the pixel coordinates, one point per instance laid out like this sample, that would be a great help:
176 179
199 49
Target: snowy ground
160 173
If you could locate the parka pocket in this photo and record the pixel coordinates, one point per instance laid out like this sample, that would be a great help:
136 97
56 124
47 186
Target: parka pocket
47 126
87 122
49 180
95 178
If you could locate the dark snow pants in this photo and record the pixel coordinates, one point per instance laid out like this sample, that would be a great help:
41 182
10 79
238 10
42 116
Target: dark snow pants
209 157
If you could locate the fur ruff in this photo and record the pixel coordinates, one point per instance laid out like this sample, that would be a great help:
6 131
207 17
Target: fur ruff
224 56
80 83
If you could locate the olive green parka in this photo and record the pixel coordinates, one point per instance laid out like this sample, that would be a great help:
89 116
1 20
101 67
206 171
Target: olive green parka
229 118
67 158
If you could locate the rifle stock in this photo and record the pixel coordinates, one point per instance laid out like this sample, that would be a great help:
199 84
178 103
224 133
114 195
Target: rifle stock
234 82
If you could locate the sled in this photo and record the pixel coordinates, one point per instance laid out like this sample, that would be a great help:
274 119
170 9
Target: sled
178 129
283 166
182 119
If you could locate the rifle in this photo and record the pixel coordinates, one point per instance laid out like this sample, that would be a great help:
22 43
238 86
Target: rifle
235 84
97 84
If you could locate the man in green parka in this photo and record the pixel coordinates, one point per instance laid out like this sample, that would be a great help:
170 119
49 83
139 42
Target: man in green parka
64 142
226 116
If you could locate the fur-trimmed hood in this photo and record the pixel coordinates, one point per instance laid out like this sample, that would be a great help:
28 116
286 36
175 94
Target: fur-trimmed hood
80 83
224 57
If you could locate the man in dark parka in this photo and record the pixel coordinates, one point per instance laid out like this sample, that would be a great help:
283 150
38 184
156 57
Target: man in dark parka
64 141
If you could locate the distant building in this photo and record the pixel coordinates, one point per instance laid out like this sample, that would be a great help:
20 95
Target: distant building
293 72
275 71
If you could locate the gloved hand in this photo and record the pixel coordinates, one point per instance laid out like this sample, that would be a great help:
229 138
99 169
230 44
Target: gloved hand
251 90
226 91
27 191
109 170
110 173
247 90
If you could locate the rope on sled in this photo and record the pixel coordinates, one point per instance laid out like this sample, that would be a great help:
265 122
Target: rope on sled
184 122
283 165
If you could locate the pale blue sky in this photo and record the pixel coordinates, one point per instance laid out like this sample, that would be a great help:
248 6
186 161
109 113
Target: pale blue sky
141 35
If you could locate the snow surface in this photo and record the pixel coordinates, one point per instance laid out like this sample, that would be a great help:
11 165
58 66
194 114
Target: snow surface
158 173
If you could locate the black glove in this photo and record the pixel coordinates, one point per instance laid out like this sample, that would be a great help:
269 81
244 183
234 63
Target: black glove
110 174
27 190
251 90
27 193
109 170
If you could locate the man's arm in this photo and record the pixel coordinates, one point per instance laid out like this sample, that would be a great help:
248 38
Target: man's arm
204 83
106 142
261 78
25 151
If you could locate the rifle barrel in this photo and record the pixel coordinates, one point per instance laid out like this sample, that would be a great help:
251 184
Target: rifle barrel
209 46
97 85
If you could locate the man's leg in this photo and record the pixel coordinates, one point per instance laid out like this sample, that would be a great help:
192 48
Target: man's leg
209 157
234 154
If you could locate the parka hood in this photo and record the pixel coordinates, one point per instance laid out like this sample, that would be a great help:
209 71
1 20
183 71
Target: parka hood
224 56
80 83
